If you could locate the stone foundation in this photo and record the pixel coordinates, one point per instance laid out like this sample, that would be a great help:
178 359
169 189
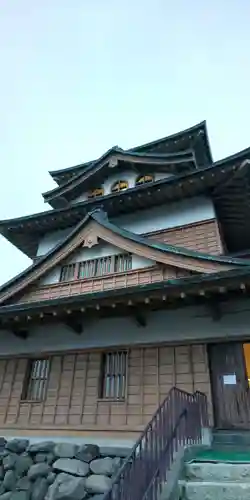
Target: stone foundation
55 471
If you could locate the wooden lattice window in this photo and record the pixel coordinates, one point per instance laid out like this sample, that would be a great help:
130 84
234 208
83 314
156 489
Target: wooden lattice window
122 263
36 379
119 186
97 267
94 193
114 375
144 179
68 272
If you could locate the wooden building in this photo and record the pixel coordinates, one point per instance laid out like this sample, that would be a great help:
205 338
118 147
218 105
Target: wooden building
140 282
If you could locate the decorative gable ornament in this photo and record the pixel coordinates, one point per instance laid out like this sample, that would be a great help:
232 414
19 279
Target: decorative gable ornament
90 240
113 162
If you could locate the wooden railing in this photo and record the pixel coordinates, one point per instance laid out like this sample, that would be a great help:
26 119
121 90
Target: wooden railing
177 422
127 279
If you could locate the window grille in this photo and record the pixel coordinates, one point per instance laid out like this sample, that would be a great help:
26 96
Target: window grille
97 267
114 375
119 186
144 179
36 380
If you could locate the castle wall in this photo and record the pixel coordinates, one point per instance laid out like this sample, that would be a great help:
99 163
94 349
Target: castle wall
72 401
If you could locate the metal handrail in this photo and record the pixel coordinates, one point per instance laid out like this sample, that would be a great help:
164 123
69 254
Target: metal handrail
177 422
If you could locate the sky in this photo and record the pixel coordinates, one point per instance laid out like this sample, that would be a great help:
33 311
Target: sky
80 76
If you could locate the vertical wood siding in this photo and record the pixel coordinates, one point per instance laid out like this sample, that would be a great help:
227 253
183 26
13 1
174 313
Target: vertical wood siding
72 393
202 237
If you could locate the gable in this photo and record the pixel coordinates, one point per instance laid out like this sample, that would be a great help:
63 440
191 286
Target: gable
95 255
95 227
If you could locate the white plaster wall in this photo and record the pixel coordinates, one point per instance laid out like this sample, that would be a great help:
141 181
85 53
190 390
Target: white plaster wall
126 175
51 239
165 216
181 326
168 215
51 277
101 250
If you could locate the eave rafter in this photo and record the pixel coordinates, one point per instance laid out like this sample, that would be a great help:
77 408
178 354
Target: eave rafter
211 293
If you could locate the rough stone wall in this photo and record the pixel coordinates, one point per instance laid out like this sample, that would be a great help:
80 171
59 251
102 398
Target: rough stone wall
49 471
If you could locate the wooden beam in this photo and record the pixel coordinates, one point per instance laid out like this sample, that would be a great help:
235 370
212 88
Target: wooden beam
74 324
214 307
21 333
140 317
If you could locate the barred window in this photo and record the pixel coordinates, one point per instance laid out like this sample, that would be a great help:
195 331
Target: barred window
143 179
35 384
97 267
95 193
119 186
68 272
122 263
114 375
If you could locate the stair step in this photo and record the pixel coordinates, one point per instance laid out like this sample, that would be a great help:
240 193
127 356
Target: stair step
218 472
194 490
232 438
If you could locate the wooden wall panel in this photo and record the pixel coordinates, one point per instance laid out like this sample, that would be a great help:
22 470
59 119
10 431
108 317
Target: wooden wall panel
72 399
202 237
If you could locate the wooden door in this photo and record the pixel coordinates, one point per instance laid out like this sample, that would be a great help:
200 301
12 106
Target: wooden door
231 396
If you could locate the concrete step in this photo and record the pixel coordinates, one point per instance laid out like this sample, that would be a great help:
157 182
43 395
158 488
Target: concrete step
218 472
194 490
237 438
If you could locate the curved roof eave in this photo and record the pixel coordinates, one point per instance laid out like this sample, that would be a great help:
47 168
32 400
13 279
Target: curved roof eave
101 218
195 128
186 155
187 176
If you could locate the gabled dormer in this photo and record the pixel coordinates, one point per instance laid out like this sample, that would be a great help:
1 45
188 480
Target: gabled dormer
117 171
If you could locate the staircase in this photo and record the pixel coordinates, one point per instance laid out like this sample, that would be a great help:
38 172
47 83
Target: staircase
221 472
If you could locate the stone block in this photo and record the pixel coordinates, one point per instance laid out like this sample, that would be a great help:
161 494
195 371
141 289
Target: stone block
9 481
98 483
23 484
65 450
102 466
20 495
44 457
71 466
38 470
42 447
9 461
23 464
72 489
39 489
17 445
88 452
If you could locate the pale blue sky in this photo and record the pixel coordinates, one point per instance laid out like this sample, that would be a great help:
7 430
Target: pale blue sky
79 76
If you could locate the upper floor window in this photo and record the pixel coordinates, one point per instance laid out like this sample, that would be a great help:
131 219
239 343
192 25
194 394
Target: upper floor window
96 192
96 267
143 179
119 186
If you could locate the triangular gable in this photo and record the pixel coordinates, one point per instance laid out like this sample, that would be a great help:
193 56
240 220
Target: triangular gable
111 157
97 226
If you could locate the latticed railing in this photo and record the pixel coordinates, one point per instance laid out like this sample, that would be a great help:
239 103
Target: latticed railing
177 422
